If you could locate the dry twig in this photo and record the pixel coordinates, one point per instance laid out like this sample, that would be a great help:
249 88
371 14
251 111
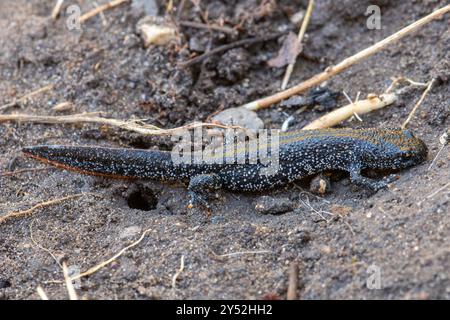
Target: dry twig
26 97
100 9
293 281
301 34
13 173
199 25
57 9
113 258
359 107
40 205
346 63
180 9
411 82
131 125
69 284
444 140
413 111
177 274
434 193
42 293
438 190
226 47
42 247
233 254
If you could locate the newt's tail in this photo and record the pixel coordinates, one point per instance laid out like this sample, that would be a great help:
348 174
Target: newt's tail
110 162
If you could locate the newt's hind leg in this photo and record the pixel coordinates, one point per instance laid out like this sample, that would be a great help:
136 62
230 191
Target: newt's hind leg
200 188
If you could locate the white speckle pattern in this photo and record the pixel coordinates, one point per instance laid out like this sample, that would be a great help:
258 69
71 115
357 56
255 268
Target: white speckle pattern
302 153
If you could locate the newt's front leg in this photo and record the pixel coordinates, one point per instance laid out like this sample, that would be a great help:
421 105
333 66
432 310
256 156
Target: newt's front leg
374 185
200 188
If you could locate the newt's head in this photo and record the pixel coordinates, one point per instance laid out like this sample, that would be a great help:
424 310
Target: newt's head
397 149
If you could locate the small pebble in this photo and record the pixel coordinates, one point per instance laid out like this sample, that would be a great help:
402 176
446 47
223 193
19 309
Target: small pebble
320 184
240 117
297 17
270 205
157 31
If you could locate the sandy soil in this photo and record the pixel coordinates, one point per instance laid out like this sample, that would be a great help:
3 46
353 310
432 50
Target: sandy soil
402 231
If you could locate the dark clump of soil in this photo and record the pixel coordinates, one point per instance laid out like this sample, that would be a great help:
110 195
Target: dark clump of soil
236 252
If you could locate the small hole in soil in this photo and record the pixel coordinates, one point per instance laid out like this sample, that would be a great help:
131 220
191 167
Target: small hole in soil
142 200
4 283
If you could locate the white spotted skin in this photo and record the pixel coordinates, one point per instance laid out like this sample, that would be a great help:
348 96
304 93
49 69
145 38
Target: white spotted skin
301 154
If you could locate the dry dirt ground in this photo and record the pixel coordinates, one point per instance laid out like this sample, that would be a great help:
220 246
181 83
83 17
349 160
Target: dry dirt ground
404 232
